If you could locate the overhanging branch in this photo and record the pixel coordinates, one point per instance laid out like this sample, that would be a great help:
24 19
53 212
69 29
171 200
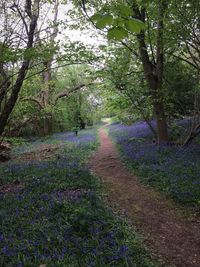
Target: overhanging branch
67 93
33 99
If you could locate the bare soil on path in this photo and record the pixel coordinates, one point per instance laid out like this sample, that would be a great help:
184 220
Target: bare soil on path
167 232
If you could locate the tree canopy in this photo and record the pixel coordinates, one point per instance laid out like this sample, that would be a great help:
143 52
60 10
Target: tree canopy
134 61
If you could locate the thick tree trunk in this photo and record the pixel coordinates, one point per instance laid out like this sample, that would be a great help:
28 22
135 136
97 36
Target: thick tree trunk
159 105
13 98
154 73
155 91
20 78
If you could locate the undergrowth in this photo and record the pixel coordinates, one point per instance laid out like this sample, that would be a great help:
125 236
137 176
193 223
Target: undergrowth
58 218
173 170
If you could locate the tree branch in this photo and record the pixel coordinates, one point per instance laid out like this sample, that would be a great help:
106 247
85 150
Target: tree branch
182 59
21 16
33 99
68 93
130 49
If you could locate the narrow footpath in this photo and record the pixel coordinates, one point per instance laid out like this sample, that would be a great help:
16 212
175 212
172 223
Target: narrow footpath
166 230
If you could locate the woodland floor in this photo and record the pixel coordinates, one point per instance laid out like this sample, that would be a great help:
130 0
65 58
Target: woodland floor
167 230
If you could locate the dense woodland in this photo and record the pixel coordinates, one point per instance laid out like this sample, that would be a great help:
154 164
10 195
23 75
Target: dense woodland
143 64
66 69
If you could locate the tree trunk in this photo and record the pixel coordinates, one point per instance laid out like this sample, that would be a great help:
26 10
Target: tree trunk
155 91
20 78
161 122
154 73
13 98
47 125
47 130
47 77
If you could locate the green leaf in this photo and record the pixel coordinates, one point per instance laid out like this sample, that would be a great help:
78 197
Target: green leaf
104 21
96 17
134 25
139 22
124 10
117 33
119 22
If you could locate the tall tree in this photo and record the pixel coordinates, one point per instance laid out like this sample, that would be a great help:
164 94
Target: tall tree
29 17
124 21
47 75
153 69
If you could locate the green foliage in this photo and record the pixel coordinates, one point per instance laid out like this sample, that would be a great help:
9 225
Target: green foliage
64 115
15 141
119 20
124 10
117 33
125 92
8 54
102 21
127 96
80 105
134 25
180 84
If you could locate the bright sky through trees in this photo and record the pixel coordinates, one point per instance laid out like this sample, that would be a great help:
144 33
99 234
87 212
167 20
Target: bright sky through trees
88 36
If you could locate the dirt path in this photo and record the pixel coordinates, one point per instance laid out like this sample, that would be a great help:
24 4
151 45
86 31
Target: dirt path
167 231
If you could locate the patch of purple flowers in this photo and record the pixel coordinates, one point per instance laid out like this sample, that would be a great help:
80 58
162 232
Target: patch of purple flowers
71 137
172 169
58 218
137 130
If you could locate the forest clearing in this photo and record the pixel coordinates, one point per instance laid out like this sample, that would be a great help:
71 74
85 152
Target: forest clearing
99 133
